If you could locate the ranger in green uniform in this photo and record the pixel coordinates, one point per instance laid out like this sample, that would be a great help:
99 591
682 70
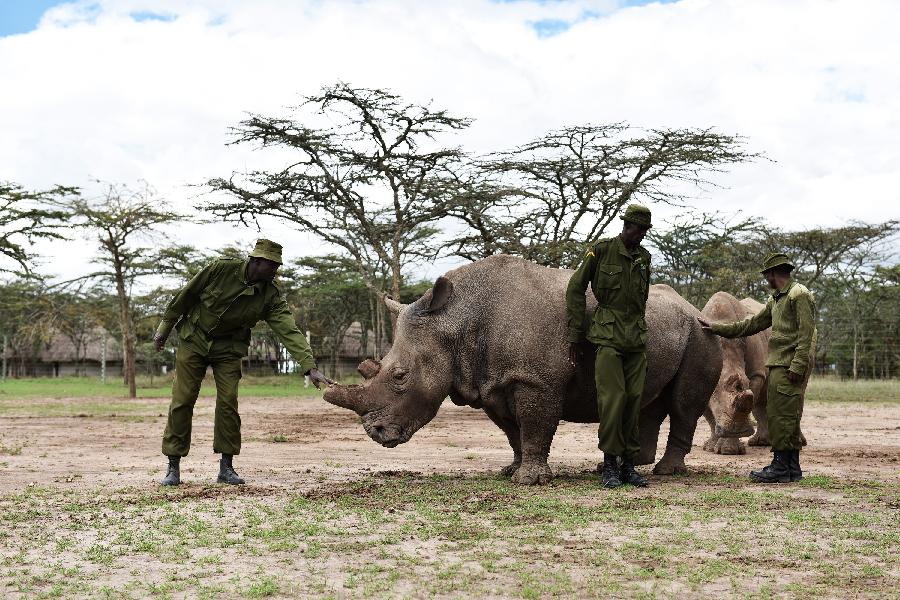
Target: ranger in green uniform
213 314
791 313
618 270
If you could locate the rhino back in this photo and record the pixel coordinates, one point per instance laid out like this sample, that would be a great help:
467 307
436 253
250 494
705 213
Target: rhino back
508 318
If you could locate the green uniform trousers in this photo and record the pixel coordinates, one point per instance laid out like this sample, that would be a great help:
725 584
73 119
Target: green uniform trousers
619 377
190 368
784 406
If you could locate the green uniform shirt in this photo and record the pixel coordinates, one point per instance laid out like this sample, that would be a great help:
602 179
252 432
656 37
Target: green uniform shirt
620 281
219 303
791 313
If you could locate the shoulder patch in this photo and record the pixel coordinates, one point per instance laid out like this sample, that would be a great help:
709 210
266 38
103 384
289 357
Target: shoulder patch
799 290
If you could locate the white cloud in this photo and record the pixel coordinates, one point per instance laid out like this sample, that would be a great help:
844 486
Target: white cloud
816 85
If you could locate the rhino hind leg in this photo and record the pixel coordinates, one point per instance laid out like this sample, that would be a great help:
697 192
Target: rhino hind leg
651 419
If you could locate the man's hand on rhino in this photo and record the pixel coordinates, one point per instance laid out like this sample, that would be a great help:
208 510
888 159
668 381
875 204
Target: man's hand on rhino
159 342
574 354
705 325
318 378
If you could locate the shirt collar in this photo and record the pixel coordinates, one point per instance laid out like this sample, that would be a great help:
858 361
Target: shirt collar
784 290
623 250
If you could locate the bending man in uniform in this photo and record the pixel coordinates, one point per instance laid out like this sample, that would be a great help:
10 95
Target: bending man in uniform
213 314
618 270
791 312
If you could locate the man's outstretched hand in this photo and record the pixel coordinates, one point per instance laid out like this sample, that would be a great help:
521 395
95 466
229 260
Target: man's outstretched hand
159 342
318 378
705 325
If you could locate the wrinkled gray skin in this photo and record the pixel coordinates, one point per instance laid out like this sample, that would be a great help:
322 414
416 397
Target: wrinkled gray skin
742 384
491 335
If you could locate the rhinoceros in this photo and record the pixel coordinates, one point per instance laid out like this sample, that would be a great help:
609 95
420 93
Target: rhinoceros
492 335
742 386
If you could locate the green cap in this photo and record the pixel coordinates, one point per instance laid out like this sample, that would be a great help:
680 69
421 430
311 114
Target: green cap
637 214
268 250
776 259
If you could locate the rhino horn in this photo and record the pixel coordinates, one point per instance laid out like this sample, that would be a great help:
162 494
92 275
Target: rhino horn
743 402
369 368
348 396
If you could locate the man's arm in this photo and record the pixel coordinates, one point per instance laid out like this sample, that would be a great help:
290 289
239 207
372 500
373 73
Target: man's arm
749 326
576 304
186 298
806 326
282 323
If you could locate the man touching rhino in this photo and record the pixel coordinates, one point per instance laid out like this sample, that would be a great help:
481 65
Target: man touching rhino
213 314
791 312
618 271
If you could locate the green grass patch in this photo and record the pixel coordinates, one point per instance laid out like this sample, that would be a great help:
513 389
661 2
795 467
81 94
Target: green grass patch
830 389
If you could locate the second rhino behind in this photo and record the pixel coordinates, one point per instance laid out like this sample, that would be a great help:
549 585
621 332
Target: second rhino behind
491 335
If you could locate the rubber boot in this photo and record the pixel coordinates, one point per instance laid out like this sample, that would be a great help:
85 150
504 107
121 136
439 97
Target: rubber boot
777 472
610 473
796 471
226 472
629 475
173 473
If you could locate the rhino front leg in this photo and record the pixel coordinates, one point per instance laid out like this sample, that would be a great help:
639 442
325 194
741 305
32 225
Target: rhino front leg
538 415
513 434
761 437
685 409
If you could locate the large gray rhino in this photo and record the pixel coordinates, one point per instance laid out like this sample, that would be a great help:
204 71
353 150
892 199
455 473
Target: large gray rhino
491 335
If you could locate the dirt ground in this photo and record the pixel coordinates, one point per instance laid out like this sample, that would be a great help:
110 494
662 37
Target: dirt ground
327 513
95 450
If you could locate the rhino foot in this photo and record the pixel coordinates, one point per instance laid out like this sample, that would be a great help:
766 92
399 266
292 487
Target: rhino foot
670 467
510 469
533 474
758 440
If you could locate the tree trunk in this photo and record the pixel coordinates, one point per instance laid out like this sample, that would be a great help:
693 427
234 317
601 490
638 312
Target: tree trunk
855 346
127 332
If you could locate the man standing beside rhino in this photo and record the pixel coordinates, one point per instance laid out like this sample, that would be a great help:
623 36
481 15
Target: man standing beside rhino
618 270
791 312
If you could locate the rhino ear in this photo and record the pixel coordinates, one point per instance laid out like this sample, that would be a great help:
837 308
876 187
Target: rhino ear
440 294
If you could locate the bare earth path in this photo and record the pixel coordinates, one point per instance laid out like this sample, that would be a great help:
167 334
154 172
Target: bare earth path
96 450
328 513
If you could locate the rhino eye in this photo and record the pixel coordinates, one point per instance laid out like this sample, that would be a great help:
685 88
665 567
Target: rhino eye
400 374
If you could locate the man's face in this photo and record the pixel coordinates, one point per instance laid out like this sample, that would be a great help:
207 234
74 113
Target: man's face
261 269
633 233
771 279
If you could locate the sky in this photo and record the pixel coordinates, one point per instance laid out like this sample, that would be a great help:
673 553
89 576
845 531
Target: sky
122 90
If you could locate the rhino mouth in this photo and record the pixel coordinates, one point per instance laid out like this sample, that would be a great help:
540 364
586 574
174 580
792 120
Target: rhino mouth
734 432
387 433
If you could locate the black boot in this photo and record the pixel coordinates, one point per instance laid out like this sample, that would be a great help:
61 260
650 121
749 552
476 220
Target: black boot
610 473
173 473
226 472
777 472
796 471
629 475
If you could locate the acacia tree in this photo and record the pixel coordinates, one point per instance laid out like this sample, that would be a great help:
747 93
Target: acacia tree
699 255
372 179
28 216
563 189
120 221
